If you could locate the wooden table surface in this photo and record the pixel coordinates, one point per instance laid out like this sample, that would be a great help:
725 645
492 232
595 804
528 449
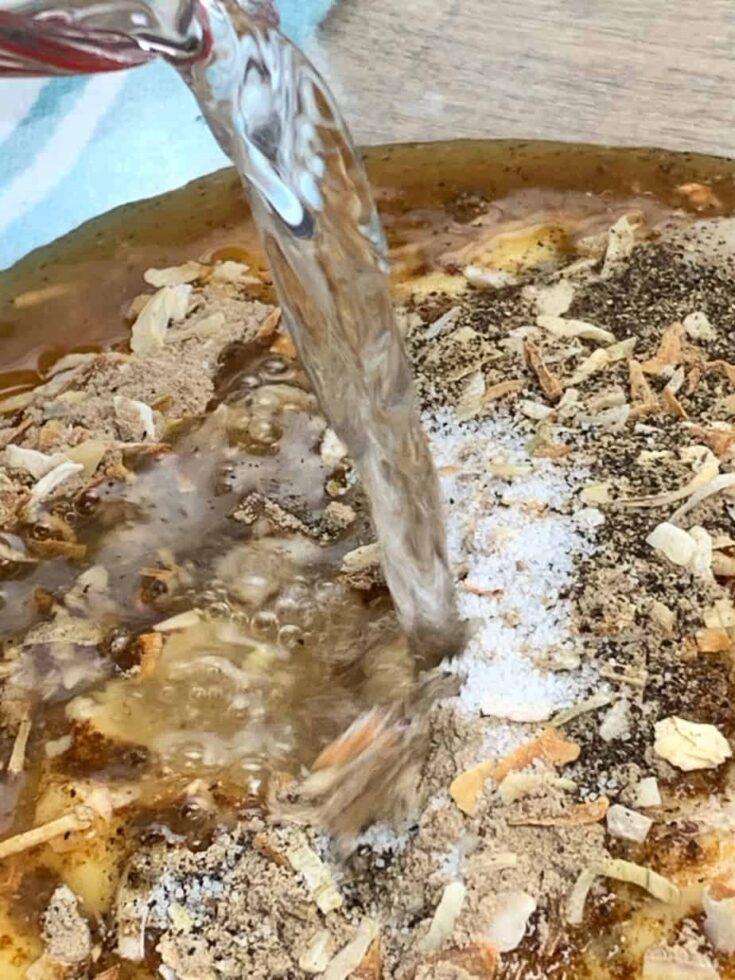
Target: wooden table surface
647 72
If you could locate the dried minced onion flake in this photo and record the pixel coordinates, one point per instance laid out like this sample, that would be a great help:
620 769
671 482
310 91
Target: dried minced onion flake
535 410
443 324
93 583
470 400
106 800
31 461
677 380
88 454
592 703
721 614
445 917
719 483
176 275
465 788
16 763
553 300
362 558
80 818
701 562
565 329
613 419
506 470
518 785
589 518
315 958
509 923
647 792
234 272
332 449
635 874
596 493
150 328
603 357
622 350
317 876
349 958
597 361
662 616
131 914
700 457
568 404
58 746
616 723
142 413
707 472
574 910
719 909
15 403
69 361
620 245
578 814
52 480
689 745
627 824
613 397
683 548
550 748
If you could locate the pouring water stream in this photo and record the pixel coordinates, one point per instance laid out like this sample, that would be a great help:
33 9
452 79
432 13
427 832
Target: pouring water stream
275 119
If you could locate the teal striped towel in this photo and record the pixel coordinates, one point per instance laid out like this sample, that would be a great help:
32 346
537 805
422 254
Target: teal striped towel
72 148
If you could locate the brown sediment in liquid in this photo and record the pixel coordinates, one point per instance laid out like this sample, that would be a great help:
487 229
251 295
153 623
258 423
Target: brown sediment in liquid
187 526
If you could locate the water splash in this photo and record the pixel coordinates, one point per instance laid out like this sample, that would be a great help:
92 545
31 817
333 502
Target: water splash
275 118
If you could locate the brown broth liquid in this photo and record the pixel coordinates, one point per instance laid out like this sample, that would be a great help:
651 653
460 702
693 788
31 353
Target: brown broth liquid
194 721
72 295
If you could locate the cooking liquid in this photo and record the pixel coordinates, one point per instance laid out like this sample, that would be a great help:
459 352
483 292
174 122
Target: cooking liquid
192 691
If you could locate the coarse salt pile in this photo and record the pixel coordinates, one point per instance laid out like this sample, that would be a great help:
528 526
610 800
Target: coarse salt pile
513 541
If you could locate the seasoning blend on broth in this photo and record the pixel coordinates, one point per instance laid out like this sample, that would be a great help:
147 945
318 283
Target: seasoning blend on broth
195 604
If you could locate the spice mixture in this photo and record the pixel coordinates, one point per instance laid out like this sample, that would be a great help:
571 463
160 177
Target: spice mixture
218 765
